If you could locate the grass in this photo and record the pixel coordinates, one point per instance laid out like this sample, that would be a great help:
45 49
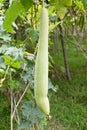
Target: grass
4 111
69 104
73 116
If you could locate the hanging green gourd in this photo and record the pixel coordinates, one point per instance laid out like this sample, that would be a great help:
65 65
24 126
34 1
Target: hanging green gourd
41 65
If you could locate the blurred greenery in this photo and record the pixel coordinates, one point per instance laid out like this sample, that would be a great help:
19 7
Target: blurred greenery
18 49
4 113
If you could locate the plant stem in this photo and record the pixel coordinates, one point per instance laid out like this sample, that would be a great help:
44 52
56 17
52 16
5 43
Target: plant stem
64 52
42 3
11 110
19 100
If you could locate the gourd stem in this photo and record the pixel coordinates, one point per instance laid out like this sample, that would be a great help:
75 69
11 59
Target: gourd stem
42 3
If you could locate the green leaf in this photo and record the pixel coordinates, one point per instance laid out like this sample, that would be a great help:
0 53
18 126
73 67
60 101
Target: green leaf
31 115
51 86
24 124
11 14
79 5
29 110
14 84
27 74
1 5
17 64
27 3
61 12
8 60
85 4
16 53
5 37
2 65
62 2
61 7
1 71
3 49
67 2
34 34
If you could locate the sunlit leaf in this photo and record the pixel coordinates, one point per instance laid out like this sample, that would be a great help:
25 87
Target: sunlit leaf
17 64
61 12
8 60
11 14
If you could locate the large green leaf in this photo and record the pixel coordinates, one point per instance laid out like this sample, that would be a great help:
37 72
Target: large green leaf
11 14
31 115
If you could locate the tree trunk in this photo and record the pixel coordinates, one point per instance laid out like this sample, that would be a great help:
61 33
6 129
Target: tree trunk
56 48
64 52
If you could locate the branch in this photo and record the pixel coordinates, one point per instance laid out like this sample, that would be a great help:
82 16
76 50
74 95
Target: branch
20 100
6 72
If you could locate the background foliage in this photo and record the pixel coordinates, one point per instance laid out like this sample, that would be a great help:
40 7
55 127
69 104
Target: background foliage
19 33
